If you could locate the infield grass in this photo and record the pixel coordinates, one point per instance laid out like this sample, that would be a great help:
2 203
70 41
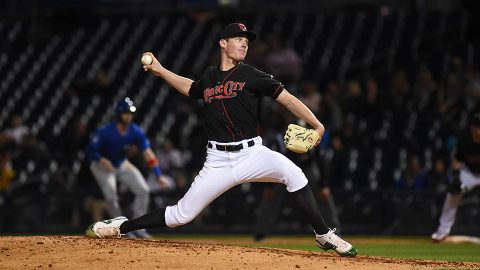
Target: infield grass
392 247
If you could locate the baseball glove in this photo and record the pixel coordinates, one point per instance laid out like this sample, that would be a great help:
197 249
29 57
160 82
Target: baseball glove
299 139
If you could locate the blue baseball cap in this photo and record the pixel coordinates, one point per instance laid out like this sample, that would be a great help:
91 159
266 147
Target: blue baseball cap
124 105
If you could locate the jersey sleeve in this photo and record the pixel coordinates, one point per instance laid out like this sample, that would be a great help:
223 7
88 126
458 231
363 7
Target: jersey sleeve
93 148
195 90
265 84
141 139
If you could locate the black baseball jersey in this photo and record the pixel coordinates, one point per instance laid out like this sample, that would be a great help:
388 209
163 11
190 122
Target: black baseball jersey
231 100
468 152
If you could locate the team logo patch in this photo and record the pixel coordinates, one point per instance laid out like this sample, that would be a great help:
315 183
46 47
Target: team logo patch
242 26
223 91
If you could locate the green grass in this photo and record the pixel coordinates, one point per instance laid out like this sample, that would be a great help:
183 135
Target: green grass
393 247
448 252
406 248
429 251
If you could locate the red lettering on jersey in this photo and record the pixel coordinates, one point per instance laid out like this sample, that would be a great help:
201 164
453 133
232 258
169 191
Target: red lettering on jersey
240 85
226 90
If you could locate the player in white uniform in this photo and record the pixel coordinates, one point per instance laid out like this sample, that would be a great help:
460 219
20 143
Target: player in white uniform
231 92
465 176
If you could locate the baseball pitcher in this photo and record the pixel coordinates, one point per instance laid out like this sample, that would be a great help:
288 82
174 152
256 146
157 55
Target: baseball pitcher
231 93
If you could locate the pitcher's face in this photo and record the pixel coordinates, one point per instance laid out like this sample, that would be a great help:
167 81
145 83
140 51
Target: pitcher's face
235 47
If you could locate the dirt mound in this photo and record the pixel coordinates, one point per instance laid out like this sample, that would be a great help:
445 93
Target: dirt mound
77 252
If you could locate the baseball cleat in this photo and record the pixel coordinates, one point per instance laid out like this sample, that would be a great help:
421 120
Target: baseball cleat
438 237
332 241
109 228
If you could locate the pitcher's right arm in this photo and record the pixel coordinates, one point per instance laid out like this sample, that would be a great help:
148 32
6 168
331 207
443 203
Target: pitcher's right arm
178 82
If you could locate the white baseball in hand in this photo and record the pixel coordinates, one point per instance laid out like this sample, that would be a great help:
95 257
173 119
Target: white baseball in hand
147 60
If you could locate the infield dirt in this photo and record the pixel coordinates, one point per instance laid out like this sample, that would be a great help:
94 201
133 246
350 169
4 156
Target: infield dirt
78 252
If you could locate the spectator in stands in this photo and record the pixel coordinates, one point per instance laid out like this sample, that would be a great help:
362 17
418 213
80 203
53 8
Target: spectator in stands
352 102
99 85
448 94
372 95
17 129
171 159
336 159
413 177
473 85
400 92
437 177
256 55
283 63
349 132
454 101
7 174
75 140
458 68
310 96
7 145
32 149
425 91
331 112
158 191
373 106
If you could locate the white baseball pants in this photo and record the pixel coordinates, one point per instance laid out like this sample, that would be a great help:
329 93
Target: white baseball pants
128 175
224 170
450 206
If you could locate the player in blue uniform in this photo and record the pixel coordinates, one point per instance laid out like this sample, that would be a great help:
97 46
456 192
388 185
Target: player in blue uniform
108 154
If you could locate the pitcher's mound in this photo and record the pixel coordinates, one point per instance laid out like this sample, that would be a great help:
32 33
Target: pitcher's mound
78 252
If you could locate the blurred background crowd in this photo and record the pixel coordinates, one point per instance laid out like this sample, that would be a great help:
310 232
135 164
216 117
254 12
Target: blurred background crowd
392 81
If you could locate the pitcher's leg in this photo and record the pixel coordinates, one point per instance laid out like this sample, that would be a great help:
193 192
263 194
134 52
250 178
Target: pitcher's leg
447 218
134 180
309 206
153 219
108 185
265 165
207 186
